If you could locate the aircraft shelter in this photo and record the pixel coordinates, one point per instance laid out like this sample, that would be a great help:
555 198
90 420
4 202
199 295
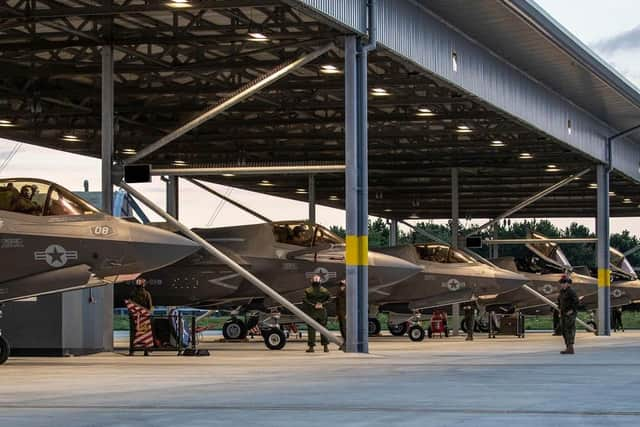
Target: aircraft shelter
401 109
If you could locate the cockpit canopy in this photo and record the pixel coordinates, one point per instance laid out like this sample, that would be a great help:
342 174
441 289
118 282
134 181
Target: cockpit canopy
444 254
620 265
41 198
550 253
304 234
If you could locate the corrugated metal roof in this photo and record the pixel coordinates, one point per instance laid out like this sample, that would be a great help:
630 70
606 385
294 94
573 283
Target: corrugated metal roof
523 34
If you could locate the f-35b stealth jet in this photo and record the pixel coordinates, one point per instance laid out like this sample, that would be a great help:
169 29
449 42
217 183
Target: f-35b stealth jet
53 241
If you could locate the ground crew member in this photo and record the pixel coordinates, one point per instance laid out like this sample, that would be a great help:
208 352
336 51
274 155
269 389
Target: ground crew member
315 298
341 307
616 319
568 305
469 319
142 297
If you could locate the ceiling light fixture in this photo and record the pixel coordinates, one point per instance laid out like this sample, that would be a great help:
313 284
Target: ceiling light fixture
497 143
258 37
179 163
388 210
414 216
70 138
593 186
627 201
301 191
378 91
463 129
612 193
265 183
329 69
525 156
334 198
228 175
425 112
552 168
6 124
179 4
129 151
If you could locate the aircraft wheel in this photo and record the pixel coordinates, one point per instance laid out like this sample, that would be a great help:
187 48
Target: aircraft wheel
374 326
4 350
398 330
482 326
593 325
234 329
274 338
416 333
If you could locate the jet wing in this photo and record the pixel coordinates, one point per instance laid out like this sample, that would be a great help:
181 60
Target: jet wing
74 277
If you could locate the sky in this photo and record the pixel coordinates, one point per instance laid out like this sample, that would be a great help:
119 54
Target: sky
610 28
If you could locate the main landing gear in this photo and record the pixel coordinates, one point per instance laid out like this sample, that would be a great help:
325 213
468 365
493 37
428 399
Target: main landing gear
274 337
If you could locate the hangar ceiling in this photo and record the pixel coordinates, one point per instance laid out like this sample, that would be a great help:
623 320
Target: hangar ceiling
172 62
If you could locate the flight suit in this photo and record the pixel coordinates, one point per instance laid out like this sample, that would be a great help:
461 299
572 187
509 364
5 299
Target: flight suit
568 304
469 318
341 310
142 297
316 295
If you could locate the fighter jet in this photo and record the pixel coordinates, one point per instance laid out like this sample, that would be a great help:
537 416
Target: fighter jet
285 255
53 241
546 264
448 276
625 286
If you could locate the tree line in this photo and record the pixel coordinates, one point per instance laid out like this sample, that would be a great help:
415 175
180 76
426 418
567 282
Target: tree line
578 254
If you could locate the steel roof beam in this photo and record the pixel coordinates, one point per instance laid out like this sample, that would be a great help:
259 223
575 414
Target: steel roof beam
250 170
529 201
242 94
228 200
34 15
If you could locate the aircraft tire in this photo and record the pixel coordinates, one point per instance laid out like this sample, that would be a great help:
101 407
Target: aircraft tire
482 326
274 338
4 350
234 329
374 327
593 325
416 333
398 330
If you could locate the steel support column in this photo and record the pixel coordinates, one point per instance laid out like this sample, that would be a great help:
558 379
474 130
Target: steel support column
455 319
602 250
393 232
106 135
455 212
172 196
107 129
312 198
455 223
356 188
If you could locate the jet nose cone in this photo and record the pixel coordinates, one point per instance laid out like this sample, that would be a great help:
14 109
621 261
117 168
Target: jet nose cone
391 269
155 248
509 280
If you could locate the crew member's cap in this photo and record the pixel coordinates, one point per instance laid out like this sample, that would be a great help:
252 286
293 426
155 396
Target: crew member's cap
565 279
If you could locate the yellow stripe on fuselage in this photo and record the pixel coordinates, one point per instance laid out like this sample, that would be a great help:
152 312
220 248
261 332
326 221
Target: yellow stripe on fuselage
357 250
